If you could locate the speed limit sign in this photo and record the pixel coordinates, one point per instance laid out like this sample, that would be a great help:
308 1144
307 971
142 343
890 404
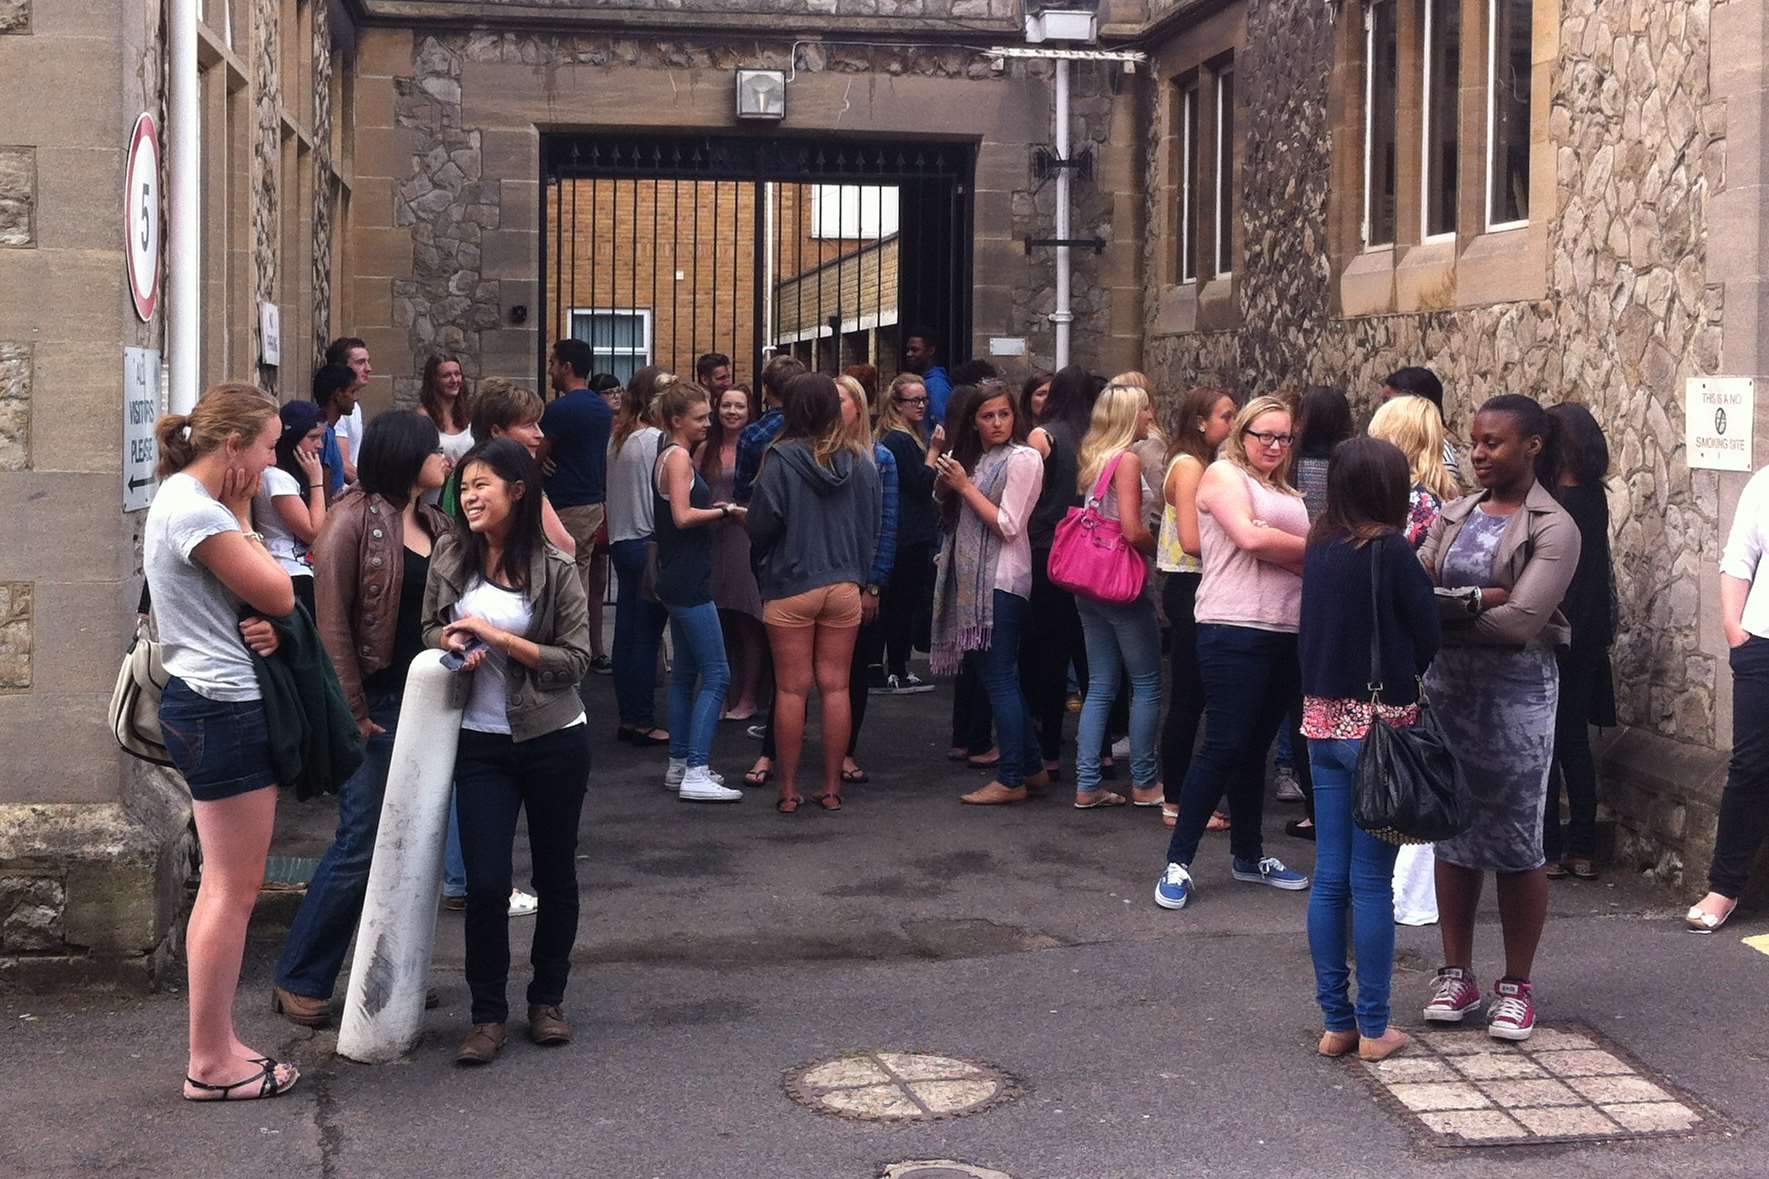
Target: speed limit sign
141 216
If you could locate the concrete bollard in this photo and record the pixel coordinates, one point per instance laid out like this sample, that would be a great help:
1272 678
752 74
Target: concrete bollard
384 1009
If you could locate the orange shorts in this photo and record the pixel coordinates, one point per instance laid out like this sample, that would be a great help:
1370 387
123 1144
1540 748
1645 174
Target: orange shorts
827 605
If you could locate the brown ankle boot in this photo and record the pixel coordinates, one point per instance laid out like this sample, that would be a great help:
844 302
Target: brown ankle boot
546 1025
301 1009
482 1044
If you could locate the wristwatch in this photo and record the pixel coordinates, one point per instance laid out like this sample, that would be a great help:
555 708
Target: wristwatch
872 591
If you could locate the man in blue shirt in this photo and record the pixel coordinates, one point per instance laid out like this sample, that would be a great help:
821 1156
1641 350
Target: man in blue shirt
921 355
574 449
334 390
759 434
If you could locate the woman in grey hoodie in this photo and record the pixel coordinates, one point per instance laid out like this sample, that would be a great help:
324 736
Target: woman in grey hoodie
814 522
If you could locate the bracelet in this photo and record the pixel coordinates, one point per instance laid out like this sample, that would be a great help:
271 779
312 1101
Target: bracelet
316 486
257 536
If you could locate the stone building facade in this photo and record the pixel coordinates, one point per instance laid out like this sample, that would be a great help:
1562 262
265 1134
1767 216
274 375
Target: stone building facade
375 166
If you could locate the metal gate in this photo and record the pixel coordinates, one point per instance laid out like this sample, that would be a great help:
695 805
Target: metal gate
662 249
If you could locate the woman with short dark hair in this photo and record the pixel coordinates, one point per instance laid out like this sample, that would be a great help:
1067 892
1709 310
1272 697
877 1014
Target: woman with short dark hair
290 507
514 607
373 562
1362 589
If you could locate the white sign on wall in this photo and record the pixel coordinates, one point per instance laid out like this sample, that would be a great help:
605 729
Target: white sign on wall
141 216
1718 415
141 409
270 331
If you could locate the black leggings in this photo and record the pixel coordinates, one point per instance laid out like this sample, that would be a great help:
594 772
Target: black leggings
868 647
1051 637
1185 697
903 617
1574 766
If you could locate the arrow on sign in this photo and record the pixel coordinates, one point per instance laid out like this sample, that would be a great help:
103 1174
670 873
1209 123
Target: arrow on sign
138 484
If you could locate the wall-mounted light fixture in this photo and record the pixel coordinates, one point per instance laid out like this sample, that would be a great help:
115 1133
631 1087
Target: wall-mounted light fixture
761 94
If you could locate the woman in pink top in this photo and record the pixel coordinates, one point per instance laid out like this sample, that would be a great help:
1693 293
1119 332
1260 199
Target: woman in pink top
988 484
1252 524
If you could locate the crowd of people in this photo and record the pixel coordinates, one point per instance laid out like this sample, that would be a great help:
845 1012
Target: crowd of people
816 533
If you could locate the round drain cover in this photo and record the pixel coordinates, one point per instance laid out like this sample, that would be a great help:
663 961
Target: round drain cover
901 1087
939 1169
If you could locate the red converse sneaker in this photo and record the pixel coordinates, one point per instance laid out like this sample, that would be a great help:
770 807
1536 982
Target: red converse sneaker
1514 1011
1456 995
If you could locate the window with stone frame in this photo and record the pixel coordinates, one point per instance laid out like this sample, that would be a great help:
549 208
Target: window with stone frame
1440 140
1190 152
1381 121
1223 167
1509 66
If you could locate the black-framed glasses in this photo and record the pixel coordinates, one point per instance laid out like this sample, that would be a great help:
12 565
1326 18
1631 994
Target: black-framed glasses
1281 441
911 401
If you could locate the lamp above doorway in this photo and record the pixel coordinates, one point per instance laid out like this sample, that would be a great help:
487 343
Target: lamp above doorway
761 94
1062 20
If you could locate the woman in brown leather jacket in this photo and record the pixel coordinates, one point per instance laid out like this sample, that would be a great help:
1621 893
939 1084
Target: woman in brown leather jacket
371 563
1501 559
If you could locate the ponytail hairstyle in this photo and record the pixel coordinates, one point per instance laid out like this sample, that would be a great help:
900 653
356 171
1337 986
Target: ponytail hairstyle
1188 423
1533 421
510 461
225 411
676 399
635 403
430 395
298 418
891 418
1112 431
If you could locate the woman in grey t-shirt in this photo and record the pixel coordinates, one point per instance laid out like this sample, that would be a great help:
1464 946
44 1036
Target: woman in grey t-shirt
204 562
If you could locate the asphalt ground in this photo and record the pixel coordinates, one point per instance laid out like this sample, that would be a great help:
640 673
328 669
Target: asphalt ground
721 947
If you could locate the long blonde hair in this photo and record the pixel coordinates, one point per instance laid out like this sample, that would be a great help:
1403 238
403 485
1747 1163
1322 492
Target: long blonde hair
1111 430
1236 450
222 412
857 437
891 418
1139 380
1415 426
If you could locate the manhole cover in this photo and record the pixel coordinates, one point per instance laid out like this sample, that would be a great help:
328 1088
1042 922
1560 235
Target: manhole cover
1563 1084
939 1169
900 1087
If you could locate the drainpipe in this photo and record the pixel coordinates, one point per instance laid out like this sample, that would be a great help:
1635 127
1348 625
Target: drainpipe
1061 317
184 255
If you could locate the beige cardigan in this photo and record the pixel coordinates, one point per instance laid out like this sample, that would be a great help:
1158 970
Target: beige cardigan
1537 556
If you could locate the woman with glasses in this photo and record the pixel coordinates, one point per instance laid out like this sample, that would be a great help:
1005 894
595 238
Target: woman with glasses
906 607
1252 526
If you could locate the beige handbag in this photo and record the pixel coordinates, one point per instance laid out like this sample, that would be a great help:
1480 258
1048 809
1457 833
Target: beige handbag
135 703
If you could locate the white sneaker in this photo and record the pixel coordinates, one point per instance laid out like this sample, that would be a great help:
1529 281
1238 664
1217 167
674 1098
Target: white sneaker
523 904
678 768
1289 789
700 784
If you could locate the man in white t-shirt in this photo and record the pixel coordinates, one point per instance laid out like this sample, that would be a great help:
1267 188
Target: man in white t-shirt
351 352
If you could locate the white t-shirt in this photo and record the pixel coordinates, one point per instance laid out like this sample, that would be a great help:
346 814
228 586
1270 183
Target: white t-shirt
455 446
288 549
197 616
349 430
506 609
1745 545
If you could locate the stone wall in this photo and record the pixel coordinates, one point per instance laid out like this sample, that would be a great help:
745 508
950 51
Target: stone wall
15 407
326 184
266 165
1629 313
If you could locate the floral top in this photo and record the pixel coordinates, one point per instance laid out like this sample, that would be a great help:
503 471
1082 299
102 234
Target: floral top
1325 719
1423 509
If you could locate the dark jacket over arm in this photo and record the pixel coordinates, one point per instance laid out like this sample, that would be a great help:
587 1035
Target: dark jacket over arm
314 742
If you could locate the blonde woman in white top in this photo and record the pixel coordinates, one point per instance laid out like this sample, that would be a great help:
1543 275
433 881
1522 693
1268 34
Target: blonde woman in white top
1203 422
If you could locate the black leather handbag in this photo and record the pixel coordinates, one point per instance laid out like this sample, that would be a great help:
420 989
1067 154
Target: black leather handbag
1409 786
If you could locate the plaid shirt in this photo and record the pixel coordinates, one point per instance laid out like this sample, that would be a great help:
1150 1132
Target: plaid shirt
751 445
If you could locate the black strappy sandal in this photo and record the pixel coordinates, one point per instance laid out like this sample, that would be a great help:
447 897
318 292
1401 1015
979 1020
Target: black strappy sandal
268 1085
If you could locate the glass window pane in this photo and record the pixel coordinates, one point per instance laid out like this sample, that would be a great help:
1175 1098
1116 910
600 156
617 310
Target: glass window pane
1443 66
1382 94
1508 167
1188 204
1225 171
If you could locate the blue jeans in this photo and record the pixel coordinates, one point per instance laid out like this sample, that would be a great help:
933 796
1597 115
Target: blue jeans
454 864
638 632
1251 681
314 951
1119 639
700 656
1353 873
1014 732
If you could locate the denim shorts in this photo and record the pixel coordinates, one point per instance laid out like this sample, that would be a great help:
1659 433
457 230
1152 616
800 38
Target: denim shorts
221 748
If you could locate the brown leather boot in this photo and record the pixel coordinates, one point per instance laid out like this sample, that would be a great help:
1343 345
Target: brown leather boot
482 1044
546 1025
301 1009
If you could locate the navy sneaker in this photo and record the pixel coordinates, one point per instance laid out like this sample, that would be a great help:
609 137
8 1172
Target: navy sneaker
1270 871
1174 888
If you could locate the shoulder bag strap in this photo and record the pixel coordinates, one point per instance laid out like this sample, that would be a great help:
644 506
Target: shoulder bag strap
1375 681
1105 479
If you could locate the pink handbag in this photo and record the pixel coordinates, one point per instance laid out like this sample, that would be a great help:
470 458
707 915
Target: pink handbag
1090 556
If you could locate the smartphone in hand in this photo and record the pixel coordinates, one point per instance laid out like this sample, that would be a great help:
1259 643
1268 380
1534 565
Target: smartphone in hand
455 660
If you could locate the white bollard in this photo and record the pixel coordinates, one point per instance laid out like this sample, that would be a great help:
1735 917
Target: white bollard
384 1010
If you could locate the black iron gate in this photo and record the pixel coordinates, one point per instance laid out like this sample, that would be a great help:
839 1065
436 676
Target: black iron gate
661 249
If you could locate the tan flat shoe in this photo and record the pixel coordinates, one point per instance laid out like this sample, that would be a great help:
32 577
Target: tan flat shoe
1383 1046
1337 1043
994 794
482 1044
304 1010
1093 800
546 1025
